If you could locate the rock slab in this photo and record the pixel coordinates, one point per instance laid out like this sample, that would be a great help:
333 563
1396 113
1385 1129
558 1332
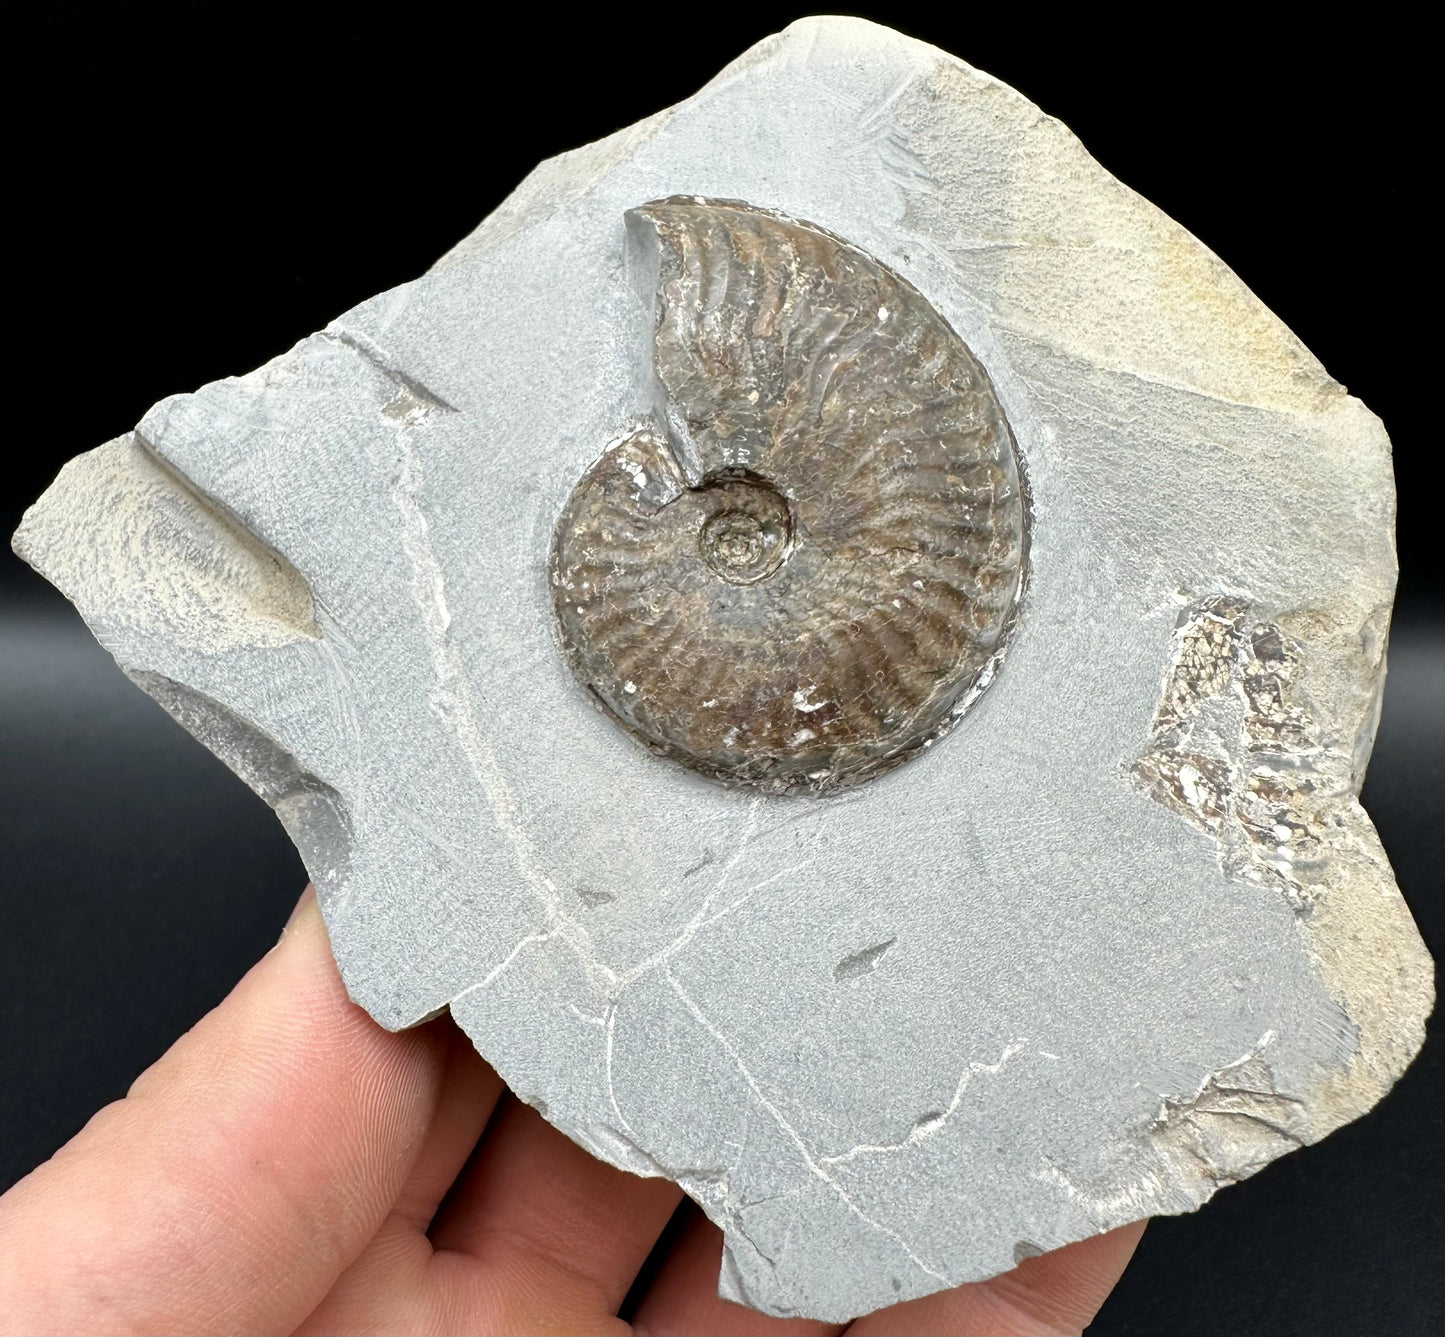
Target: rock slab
1123 937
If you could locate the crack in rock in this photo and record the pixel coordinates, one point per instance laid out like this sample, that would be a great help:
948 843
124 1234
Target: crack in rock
1234 1124
932 1123
810 1161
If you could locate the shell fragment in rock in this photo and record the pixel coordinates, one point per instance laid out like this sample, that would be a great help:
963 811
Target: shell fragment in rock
804 569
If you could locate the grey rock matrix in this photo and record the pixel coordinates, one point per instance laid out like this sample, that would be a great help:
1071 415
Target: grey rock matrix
1121 937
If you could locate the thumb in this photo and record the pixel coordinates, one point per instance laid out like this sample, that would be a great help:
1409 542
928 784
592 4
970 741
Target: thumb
239 1177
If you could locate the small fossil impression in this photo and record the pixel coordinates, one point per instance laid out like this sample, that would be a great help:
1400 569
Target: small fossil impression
1235 751
806 568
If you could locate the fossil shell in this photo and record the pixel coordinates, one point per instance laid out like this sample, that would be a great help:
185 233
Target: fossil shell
804 568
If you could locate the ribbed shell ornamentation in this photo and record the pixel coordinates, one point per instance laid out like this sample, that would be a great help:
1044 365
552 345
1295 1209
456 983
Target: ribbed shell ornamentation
805 568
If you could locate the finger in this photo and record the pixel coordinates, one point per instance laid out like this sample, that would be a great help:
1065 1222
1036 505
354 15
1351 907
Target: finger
684 1299
469 1093
1058 1292
542 1236
242 1173
392 1287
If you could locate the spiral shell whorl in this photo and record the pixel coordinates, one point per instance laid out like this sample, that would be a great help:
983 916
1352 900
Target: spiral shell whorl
794 577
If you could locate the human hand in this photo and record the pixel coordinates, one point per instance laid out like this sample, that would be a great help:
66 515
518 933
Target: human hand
289 1166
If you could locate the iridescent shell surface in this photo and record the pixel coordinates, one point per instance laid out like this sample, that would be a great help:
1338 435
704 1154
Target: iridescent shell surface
805 567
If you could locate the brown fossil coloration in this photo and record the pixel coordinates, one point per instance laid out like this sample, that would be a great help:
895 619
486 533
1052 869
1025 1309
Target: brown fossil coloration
805 568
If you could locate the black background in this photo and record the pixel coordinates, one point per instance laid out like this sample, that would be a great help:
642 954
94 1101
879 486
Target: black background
196 187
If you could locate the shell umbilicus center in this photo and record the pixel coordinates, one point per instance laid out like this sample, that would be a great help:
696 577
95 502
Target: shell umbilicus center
747 537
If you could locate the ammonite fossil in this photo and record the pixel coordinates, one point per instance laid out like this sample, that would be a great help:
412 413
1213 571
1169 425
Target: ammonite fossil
803 570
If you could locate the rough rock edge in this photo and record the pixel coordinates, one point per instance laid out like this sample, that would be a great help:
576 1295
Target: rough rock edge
1240 751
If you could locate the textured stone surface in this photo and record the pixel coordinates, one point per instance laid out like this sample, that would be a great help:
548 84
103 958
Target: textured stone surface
1123 936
